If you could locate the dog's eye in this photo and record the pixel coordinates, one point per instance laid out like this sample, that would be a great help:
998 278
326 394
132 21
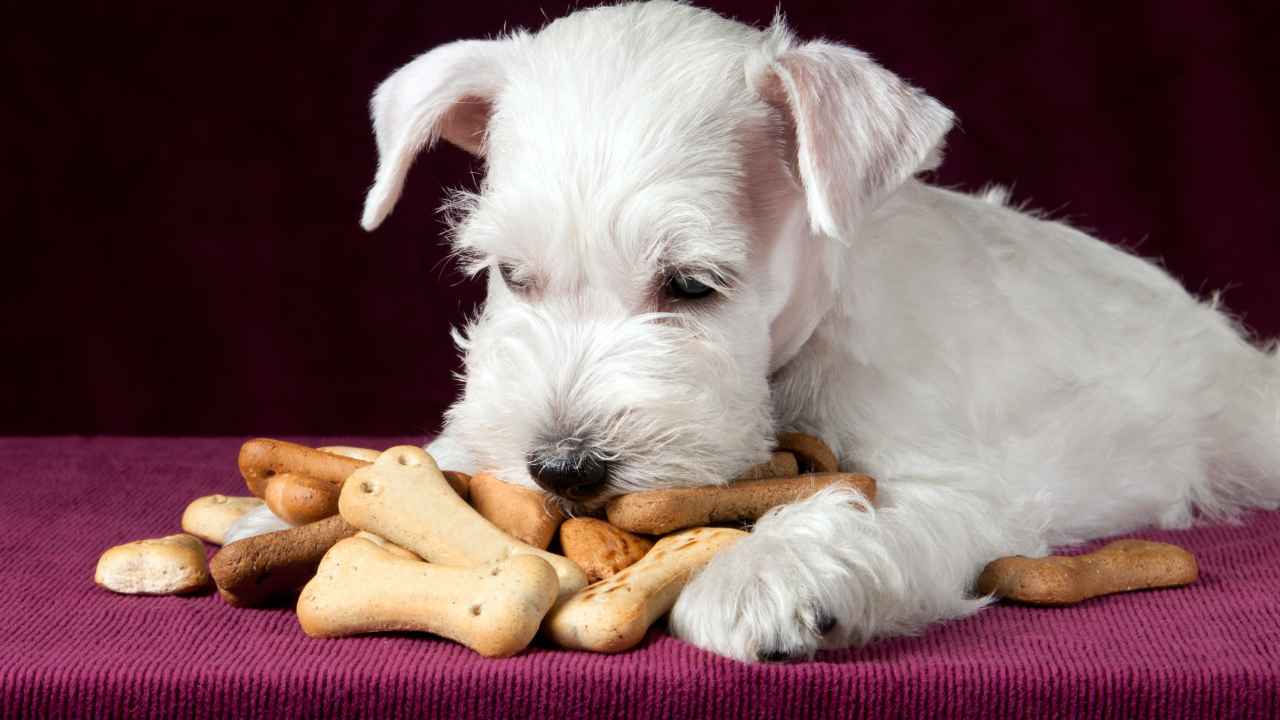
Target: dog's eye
685 287
511 277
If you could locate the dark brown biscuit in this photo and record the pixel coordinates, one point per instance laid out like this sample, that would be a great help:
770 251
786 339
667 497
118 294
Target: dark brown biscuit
267 568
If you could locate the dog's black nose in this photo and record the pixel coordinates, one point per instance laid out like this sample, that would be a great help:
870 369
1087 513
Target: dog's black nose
576 476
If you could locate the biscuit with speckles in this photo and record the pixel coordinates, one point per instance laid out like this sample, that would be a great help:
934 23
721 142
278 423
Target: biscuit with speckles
614 614
1121 566
658 512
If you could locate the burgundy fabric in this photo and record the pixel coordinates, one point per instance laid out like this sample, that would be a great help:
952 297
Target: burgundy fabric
71 649
181 182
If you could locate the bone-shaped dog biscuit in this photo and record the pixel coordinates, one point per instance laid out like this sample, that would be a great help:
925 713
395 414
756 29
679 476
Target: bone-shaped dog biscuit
526 515
613 615
458 480
404 498
209 517
1120 566
494 609
657 512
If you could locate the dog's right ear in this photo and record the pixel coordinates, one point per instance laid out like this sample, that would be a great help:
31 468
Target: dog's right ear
859 130
446 93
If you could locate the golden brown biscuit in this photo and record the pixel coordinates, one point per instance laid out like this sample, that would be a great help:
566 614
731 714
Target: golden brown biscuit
298 499
262 458
658 512
600 549
529 516
813 455
1120 566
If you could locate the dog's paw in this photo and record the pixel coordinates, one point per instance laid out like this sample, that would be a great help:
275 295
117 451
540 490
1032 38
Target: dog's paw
756 602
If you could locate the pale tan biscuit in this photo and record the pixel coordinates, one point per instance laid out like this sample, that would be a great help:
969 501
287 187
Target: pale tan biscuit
169 565
600 549
263 569
613 615
404 498
298 499
813 455
388 546
262 458
494 609
366 454
1120 566
530 516
781 464
458 480
658 512
209 517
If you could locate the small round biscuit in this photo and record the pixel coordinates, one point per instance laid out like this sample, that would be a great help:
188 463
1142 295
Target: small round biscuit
209 517
169 565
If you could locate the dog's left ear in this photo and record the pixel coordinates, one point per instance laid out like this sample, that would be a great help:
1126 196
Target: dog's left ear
445 93
860 131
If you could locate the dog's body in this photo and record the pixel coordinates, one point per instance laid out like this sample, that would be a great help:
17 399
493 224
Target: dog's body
699 234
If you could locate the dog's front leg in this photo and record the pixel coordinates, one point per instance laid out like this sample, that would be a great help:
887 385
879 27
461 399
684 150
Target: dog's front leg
831 572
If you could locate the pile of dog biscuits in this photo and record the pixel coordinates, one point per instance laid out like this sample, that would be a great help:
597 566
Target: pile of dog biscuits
387 541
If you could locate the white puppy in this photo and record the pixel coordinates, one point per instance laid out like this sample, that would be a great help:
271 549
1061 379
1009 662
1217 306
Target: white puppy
697 233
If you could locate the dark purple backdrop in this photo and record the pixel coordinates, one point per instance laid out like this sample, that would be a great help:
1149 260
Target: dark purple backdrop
182 184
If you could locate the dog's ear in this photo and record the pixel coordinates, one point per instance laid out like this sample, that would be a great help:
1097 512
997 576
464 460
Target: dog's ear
446 93
859 130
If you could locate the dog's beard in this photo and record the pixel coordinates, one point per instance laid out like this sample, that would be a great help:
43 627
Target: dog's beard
662 398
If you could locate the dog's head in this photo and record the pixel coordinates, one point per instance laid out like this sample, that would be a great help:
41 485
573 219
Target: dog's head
668 199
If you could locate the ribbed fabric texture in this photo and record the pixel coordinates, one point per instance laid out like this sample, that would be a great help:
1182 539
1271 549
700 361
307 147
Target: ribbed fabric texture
71 649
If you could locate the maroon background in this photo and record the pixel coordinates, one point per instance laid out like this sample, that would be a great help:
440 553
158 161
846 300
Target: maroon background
182 184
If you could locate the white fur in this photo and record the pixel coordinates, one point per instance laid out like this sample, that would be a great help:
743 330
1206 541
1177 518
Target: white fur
257 521
1013 383
642 388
